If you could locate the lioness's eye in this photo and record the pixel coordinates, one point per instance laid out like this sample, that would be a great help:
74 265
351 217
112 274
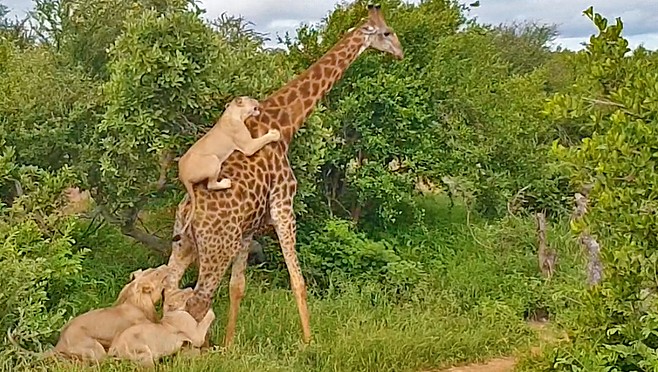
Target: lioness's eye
387 34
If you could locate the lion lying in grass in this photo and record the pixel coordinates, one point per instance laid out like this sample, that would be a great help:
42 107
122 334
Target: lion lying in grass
148 342
87 336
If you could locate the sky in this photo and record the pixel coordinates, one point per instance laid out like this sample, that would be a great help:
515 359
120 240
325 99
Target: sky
274 17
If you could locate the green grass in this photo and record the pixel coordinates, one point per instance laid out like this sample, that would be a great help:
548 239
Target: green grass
356 330
470 305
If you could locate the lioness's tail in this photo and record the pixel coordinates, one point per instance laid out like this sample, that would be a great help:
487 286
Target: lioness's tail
42 355
190 191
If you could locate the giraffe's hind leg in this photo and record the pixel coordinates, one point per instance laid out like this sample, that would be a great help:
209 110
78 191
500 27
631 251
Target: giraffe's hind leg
236 289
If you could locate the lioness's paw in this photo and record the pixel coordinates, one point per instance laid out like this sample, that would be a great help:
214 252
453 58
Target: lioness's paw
210 315
274 134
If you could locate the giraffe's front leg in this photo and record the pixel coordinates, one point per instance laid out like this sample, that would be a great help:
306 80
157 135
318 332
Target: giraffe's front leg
284 223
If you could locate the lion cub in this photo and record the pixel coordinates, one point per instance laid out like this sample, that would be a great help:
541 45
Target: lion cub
147 343
203 161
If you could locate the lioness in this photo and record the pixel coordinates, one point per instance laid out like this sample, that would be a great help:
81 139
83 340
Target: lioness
148 342
87 336
203 161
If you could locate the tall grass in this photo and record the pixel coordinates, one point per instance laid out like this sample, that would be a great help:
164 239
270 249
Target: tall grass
479 284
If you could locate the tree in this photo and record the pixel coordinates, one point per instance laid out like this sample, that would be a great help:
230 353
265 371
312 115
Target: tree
615 103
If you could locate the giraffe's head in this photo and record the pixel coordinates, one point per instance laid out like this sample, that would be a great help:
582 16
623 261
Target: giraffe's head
244 106
378 35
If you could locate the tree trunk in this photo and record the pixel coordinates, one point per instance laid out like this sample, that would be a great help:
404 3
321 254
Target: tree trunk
151 241
128 228
594 265
546 256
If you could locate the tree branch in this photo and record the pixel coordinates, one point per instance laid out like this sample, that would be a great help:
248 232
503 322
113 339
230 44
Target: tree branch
128 228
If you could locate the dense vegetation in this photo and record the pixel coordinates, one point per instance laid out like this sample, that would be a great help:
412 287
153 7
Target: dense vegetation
418 182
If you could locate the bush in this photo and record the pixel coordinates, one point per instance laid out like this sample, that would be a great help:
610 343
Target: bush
615 103
447 109
38 259
335 250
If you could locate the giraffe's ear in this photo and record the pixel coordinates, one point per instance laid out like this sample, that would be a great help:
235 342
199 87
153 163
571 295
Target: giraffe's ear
368 30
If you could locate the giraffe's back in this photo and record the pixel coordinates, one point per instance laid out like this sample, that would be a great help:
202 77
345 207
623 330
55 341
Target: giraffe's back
246 202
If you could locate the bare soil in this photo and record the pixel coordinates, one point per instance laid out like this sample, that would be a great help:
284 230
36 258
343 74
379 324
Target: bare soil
494 365
507 364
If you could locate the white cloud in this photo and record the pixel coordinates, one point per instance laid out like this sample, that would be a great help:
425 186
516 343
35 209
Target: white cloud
279 16
283 23
639 16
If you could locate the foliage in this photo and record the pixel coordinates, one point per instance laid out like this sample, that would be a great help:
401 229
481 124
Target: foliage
56 110
615 104
14 30
38 259
167 83
115 86
446 110
383 127
162 81
82 31
335 250
468 306
524 46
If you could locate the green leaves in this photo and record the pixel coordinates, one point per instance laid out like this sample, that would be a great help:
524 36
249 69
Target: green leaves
612 101
335 250
163 83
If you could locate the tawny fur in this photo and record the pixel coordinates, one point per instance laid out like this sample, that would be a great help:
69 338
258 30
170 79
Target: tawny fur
203 161
148 342
87 336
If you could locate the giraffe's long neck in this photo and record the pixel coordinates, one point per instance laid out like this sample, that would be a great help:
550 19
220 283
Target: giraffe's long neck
293 103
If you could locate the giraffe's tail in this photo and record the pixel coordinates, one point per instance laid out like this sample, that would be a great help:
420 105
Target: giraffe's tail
190 216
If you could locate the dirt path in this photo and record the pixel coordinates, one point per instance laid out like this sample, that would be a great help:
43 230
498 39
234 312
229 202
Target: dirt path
507 364
495 365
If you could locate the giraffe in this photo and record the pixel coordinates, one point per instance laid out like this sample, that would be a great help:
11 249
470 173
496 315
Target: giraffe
264 185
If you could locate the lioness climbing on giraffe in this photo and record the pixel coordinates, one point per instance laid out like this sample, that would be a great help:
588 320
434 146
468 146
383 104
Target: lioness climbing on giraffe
203 161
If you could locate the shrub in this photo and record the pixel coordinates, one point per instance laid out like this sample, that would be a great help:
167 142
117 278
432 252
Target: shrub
616 102
335 250
39 262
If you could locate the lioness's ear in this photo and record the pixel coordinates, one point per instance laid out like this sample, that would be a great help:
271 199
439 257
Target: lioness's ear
136 274
148 288
238 101
227 105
